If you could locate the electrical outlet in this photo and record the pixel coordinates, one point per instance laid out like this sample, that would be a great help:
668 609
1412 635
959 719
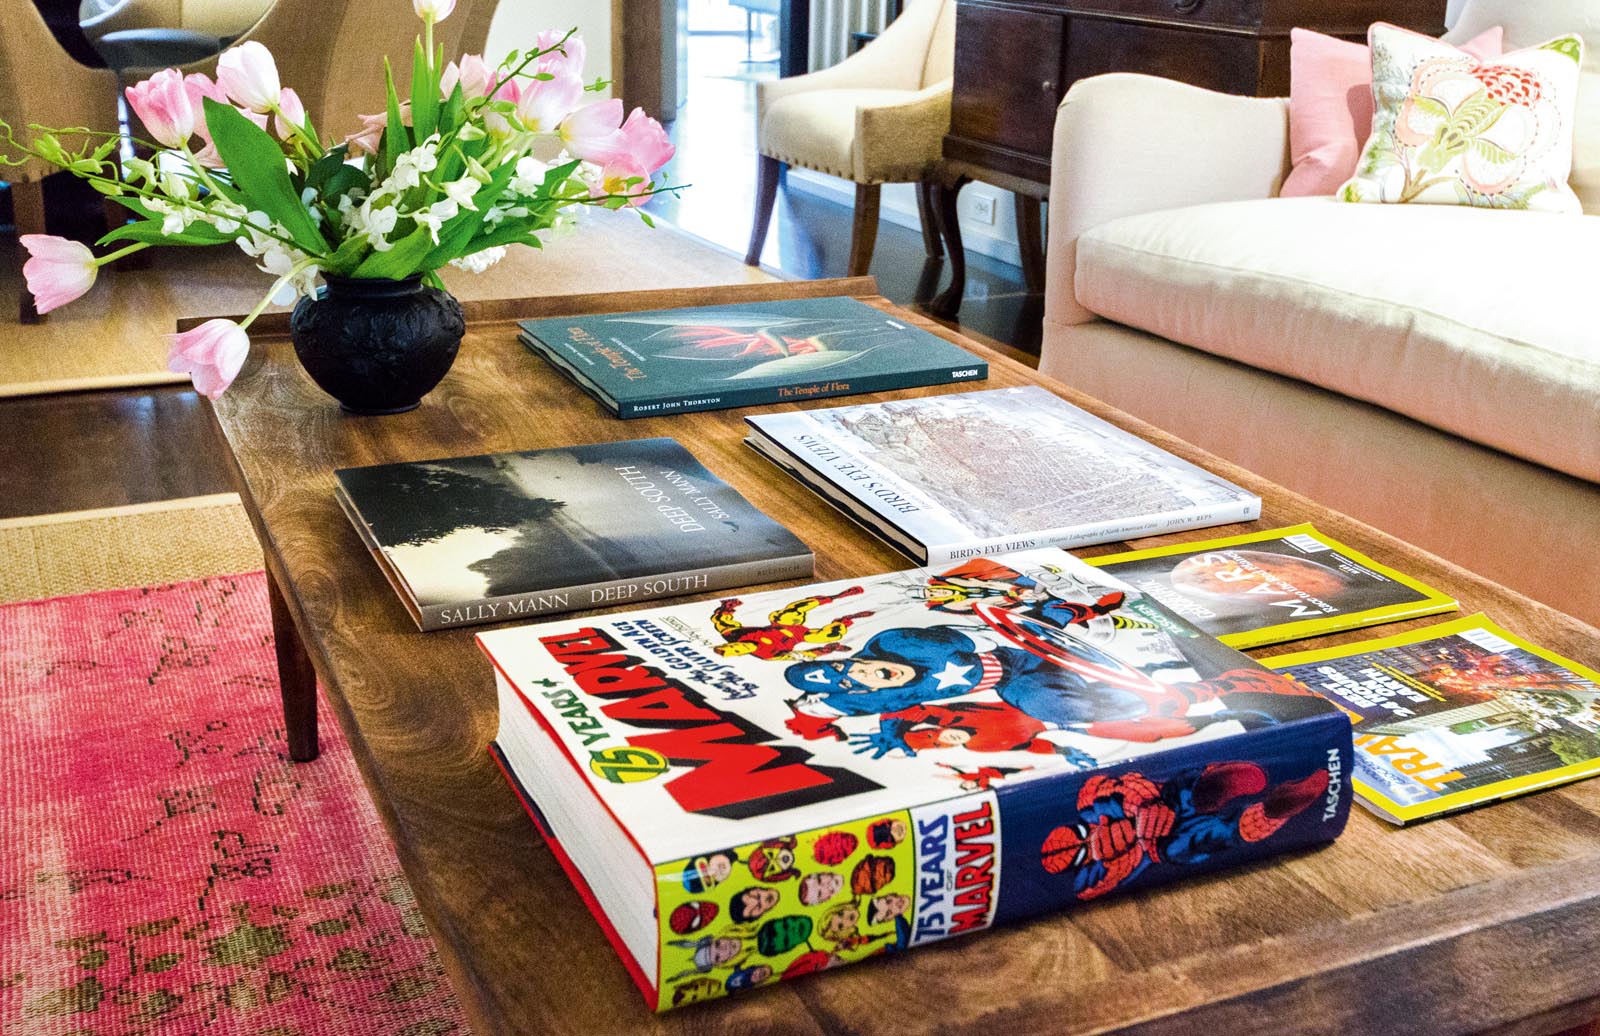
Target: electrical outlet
982 208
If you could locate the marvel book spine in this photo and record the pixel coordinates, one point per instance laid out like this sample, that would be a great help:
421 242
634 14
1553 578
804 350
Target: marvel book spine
898 880
614 593
972 369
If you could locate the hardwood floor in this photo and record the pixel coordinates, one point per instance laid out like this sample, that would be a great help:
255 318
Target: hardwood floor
83 450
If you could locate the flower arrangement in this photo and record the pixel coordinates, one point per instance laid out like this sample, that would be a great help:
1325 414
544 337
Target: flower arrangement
475 160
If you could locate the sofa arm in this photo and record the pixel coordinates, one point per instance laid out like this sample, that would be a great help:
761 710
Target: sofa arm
1129 144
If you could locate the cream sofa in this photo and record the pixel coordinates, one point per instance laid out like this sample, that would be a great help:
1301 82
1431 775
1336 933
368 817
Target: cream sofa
1432 370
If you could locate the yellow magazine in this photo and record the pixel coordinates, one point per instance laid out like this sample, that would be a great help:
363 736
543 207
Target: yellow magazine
1452 716
1274 586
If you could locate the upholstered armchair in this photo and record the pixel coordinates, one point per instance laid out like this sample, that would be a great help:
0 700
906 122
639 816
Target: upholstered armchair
40 83
331 51
877 117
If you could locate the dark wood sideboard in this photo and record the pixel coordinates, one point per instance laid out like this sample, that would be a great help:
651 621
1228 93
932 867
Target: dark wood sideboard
1016 59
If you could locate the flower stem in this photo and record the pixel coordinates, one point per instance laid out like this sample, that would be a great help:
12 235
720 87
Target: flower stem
266 300
119 253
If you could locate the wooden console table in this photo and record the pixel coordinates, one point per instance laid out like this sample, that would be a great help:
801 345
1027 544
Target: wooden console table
1016 59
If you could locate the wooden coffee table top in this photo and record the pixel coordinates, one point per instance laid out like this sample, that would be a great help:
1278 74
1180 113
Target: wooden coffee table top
1485 922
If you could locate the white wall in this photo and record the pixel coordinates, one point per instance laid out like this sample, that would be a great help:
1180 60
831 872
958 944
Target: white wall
517 22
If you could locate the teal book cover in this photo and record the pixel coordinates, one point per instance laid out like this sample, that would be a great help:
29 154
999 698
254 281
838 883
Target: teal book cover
656 362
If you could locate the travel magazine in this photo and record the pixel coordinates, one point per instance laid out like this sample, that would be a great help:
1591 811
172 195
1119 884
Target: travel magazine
469 540
1272 586
752 789
948 477
675 361
1456 715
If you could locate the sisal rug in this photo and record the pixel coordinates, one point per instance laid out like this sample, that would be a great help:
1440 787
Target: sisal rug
164 870
112 337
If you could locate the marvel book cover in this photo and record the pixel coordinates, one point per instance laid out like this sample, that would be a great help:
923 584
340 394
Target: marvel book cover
746 354
468 540
809 777
1456 715
954 476
1272 586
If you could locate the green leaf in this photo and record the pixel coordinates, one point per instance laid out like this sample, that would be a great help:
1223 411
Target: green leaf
340 182
424 95
325 167
348 257
396 139
149 232
261 173
1568 46
1433 107
451 116
403 260
1489 151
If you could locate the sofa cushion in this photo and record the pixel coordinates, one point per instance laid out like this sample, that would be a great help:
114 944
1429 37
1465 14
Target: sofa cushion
1478 322
1526 22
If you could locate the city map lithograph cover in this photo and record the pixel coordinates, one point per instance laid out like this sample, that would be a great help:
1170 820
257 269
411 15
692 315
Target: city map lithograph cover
1456 715
949 477
819 775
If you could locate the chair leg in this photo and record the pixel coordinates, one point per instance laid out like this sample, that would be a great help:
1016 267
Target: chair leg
864 228
767 172
926 214
1030 242
27 203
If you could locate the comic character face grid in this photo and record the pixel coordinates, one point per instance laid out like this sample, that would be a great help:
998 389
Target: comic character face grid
742 917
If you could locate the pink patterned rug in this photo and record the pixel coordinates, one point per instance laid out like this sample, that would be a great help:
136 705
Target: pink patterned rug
163 868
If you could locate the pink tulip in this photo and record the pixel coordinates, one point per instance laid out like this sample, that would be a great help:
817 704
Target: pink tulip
200 87
162 103
474 75
250 76
211 355
59 272
367 140
557 62
291 114
434 11
543 103
594 132
645 143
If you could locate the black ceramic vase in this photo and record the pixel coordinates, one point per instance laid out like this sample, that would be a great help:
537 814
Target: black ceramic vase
377 346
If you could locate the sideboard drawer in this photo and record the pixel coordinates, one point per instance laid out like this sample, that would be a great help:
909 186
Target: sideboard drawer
1229 64
1199 12
1008 75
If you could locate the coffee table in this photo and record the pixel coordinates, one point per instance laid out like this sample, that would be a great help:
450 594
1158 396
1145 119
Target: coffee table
1485 922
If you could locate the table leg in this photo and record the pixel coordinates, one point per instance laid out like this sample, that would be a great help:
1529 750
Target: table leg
1030 242
296 677
948 303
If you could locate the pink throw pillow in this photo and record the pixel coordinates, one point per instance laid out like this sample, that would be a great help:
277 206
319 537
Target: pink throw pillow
1330 106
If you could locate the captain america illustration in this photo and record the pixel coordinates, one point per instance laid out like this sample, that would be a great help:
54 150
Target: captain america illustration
1053 677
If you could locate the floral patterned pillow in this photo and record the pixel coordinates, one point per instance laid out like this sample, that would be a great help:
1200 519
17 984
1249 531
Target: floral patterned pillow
1449 129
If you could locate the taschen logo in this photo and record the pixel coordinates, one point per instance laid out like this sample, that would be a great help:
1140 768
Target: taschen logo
1335 785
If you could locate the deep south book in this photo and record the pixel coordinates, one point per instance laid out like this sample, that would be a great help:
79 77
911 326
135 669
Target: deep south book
468 540
750 790
1276 585
1456 715
748 354
949 477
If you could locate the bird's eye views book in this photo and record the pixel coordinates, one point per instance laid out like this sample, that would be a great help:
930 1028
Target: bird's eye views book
470 540
1456 715
949 477
1276 585
674 361
751 789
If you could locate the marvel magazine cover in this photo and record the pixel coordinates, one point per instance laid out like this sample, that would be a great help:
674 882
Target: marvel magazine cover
822 774
1276 585
1456 715
715 357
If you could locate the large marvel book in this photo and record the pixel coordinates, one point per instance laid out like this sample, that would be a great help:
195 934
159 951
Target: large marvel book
749 790
1456 715
954 476
674 361
469 540
1276 585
